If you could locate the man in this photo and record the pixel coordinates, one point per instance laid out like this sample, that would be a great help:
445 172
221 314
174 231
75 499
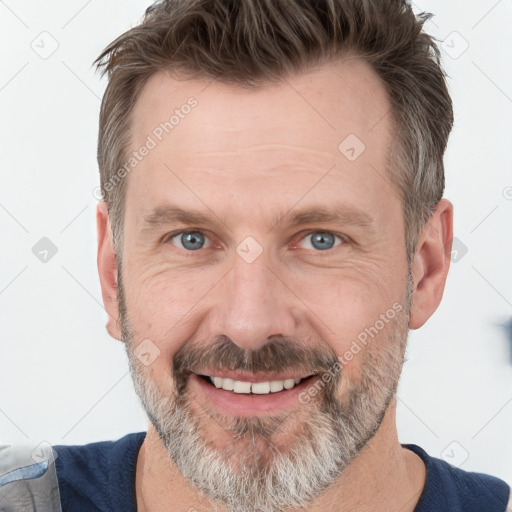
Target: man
272 226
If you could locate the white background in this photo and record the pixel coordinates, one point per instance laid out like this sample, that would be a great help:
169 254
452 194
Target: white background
63 380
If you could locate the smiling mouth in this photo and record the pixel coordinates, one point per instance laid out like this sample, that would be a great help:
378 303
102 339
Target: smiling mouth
253 388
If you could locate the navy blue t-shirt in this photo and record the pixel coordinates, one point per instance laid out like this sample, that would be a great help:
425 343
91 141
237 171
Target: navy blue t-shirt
100 477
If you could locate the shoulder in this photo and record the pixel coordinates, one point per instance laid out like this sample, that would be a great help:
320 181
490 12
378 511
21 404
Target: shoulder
453 489
28 480
98 476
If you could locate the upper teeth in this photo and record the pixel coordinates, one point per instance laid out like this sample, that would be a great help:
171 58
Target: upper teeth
259 388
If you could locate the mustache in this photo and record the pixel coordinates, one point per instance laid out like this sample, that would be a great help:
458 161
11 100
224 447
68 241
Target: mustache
279 354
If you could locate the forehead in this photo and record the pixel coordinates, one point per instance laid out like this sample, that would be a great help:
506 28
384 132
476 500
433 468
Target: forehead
333 99
213 132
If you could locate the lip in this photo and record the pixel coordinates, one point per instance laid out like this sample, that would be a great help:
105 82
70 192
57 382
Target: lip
239 404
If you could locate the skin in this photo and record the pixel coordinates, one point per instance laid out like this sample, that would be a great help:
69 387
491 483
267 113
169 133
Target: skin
245 158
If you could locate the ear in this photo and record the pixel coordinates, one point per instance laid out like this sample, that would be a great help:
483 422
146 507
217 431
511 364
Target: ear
431 264
107 269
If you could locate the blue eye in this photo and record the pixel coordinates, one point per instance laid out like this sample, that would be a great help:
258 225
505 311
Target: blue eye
321 240
195 240
190 240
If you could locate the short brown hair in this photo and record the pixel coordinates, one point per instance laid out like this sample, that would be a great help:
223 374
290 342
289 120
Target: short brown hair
253 42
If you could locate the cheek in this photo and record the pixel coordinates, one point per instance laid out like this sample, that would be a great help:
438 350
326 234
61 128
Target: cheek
166 306
352 311
348 300
161 294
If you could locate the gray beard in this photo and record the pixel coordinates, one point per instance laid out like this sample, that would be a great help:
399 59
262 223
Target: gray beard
252 473
257 475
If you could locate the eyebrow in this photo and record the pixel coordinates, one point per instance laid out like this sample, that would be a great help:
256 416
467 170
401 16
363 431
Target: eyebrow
341 215
163 215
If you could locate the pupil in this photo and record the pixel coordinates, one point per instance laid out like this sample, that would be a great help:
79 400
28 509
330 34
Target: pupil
322 241
192 241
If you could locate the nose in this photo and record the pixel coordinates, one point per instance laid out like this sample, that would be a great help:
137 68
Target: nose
254 303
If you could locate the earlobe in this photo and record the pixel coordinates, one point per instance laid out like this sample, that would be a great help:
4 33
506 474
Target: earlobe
107 270
431 264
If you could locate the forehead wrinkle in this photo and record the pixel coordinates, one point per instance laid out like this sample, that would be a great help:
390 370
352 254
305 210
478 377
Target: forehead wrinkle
259 148
257 165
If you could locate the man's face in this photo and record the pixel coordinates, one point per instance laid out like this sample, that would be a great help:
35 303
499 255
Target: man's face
291 264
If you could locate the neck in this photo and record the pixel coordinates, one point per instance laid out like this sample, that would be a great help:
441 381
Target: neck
384 476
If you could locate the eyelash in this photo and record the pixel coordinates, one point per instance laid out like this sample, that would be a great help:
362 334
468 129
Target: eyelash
343 238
